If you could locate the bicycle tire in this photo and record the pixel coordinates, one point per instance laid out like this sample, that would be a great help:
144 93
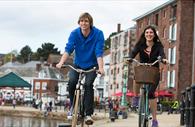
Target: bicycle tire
75 109
142 111
81 109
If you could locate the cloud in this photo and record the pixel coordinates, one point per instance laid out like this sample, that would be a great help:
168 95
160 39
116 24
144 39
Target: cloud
35 22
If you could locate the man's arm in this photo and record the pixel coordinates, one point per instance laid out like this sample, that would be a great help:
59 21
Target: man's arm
100 65
62 60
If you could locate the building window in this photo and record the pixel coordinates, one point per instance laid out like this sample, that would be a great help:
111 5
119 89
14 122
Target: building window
119 56
125 39
173 12
164 13
172 32
164 32
156 19
172 55
171 79
44 85
125 53
37 85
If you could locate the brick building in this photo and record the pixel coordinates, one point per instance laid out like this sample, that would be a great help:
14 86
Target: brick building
121 44
174 21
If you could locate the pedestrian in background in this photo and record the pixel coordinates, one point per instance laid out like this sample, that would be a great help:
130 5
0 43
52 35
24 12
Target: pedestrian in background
14 103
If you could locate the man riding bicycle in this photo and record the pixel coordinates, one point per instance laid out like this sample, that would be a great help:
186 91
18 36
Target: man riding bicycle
87 43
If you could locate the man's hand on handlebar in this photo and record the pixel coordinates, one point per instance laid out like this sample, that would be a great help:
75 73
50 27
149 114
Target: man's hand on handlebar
59 65
101 71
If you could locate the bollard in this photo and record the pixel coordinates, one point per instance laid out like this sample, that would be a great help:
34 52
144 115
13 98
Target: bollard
192 106
182 108
187 107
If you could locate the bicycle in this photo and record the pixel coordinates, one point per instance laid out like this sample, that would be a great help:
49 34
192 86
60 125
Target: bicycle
145 74
78 103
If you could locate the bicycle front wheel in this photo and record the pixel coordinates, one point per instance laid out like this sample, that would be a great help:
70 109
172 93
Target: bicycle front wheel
75 110
142 120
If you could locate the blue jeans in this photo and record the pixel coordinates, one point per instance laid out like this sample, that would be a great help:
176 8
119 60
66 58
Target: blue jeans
89 92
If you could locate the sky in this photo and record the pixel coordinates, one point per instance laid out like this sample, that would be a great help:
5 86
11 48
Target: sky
32 23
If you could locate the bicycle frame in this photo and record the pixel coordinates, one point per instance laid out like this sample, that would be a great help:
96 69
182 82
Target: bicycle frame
78 102
144 114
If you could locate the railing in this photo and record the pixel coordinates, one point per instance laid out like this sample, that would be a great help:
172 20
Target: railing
187 107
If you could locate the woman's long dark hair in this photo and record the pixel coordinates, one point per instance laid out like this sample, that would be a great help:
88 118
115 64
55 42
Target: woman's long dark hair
142 40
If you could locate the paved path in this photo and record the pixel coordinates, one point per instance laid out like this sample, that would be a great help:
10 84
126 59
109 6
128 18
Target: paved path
172 120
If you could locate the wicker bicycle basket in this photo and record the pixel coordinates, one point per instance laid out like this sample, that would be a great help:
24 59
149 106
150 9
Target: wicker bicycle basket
146 74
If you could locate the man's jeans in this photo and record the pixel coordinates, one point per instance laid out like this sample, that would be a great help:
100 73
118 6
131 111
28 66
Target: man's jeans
89 92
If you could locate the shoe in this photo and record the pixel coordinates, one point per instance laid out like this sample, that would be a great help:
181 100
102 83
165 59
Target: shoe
88 120
69 115
154 123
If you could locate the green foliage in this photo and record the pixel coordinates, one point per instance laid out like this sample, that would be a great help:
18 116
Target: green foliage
107 41
8 57
45 50
25 54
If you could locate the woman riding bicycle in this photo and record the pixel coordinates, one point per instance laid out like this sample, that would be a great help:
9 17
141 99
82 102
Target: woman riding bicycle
149 48
87 43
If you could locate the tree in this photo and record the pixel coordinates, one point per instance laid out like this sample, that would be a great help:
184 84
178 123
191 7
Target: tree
10 57
25 54
45 50
107 41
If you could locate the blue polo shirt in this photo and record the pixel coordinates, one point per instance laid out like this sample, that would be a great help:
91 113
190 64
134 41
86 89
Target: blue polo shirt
86 50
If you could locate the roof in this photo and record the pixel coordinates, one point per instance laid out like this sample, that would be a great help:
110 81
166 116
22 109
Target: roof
13 80
155 9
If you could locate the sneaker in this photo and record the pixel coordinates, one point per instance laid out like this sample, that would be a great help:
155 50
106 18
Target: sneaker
154 123
69 115
88 120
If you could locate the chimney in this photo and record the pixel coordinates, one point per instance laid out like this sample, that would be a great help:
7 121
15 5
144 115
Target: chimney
118 27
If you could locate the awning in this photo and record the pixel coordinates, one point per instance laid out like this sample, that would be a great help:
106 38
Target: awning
163 93
13 80
129 94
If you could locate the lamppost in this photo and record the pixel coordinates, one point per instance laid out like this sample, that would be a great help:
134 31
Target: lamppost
124 88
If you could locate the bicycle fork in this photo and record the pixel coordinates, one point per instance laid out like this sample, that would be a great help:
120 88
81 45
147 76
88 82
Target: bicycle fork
147 108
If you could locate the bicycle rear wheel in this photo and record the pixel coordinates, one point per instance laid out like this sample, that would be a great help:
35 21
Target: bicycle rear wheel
75 108
81 110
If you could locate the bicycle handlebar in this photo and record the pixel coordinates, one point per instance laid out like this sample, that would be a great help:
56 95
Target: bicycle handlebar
159 59
79 70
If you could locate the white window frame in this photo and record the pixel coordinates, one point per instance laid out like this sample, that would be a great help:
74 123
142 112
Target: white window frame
173 32
172 55
171 79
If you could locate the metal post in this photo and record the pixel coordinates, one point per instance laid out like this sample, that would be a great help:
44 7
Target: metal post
124 89
192 106
187 107
182 108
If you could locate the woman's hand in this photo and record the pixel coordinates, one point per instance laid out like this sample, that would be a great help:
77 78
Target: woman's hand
165 61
